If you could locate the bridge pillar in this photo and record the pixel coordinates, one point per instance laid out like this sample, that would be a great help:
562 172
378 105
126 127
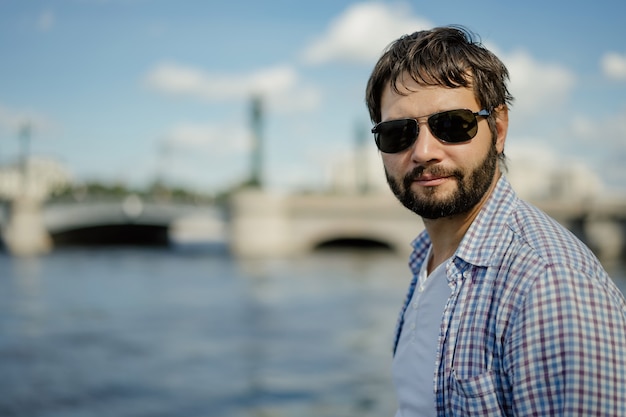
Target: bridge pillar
25 233
265 224
259 224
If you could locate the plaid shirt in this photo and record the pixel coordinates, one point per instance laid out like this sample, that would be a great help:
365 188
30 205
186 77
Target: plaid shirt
534 325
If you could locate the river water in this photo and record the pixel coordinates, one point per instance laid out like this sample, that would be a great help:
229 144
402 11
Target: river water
185 333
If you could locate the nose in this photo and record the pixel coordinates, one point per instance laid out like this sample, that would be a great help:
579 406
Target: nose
427 148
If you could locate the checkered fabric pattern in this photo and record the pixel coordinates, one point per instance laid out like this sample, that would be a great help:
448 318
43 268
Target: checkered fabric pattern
534 325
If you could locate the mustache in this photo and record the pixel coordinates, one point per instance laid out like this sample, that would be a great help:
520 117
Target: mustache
436 171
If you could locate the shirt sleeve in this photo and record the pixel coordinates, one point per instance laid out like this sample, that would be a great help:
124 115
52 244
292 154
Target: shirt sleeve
567 352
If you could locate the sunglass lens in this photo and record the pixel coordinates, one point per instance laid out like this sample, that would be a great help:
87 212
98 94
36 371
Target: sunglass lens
454 126
395 135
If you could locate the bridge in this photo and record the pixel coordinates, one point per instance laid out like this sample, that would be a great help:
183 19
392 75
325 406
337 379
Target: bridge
258 223
132 220
31 227
255 223
268 224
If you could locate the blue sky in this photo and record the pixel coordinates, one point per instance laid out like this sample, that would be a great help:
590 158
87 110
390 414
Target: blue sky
132 90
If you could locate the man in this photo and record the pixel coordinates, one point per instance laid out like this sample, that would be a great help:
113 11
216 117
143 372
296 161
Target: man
508 314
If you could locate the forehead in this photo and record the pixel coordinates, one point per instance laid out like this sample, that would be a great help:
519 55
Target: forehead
412 99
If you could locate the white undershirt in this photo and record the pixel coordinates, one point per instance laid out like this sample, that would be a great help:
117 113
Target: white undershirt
413 367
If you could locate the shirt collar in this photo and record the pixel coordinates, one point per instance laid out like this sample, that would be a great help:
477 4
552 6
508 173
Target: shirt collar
481 241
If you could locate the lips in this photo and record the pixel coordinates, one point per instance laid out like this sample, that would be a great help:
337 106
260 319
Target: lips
429 176
431 180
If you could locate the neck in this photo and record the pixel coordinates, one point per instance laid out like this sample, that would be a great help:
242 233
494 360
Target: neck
446 233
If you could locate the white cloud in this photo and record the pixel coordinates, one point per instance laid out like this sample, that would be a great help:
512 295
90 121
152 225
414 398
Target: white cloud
178 79
207 138
279 85
614 66
583 127
362 32
535 85
611 128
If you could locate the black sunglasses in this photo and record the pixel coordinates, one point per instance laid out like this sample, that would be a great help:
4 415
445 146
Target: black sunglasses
452 126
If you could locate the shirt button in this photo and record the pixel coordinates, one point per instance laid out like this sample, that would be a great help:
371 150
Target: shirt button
466 274
415 305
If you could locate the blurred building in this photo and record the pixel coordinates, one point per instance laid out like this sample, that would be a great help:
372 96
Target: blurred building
540 176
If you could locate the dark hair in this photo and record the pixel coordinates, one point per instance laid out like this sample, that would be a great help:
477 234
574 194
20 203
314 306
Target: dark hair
449 56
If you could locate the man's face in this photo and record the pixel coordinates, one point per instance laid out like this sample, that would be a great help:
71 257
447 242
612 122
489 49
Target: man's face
432 178
472 184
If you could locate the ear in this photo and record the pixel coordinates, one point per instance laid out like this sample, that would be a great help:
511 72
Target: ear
502 126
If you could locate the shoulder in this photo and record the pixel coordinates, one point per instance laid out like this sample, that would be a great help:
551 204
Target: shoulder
547 265
508 227
549 242
525 247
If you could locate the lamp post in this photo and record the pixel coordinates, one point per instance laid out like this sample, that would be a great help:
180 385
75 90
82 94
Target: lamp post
256 162
360 160
24 137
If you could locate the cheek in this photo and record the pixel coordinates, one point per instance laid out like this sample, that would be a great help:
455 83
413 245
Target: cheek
390 163
475 153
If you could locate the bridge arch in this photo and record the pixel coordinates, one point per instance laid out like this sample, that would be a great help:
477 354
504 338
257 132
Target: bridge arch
335 237
113 234
130 221
353 243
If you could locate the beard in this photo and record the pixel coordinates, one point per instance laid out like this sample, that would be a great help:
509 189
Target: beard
471 187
